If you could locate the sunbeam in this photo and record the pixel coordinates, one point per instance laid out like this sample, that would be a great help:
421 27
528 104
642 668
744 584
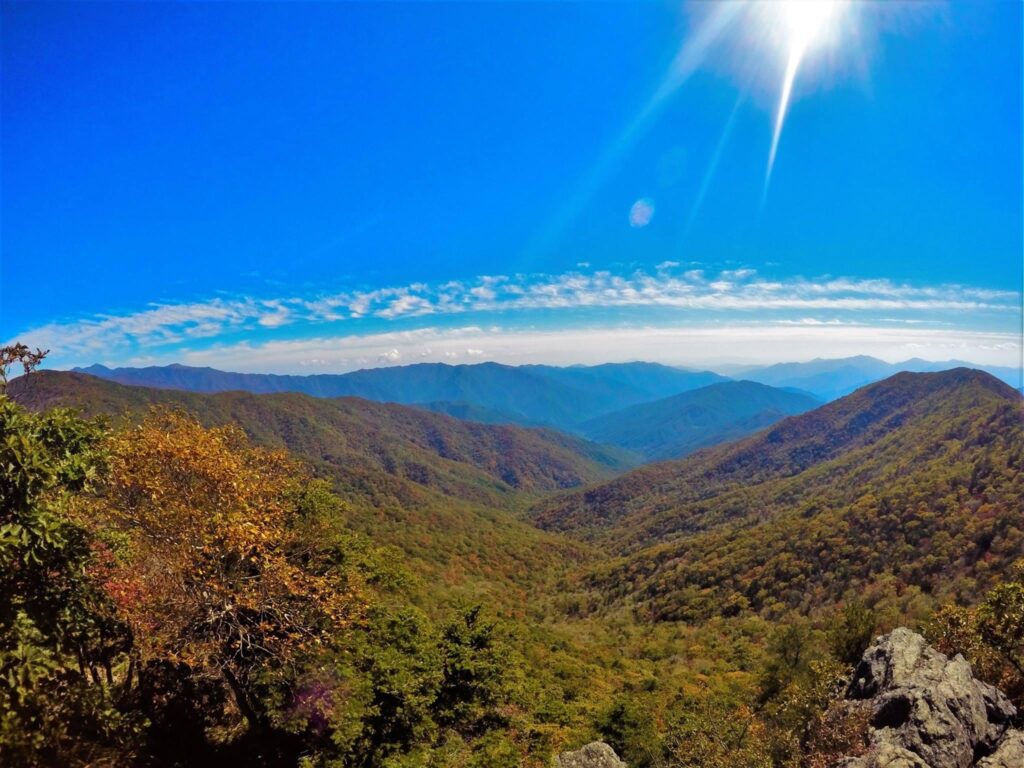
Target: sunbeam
805 23
712 168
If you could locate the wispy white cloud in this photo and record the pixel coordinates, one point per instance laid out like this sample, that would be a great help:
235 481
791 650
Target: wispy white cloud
731 290
700 297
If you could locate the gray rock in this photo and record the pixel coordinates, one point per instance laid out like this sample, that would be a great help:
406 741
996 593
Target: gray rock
927 711
884 756
1009 753
595 755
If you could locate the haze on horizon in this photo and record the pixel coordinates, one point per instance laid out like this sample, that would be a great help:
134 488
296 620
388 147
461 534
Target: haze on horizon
358 185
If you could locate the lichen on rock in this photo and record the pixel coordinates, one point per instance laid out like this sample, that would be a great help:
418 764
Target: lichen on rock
597 754
928 711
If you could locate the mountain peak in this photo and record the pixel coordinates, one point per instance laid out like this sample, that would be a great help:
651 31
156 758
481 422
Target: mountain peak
95 370
951 378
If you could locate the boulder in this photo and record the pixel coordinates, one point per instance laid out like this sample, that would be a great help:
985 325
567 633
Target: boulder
928 711
884 756
1009 753
597 754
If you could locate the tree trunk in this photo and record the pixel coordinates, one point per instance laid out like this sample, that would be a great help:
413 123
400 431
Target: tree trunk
126 684
256 720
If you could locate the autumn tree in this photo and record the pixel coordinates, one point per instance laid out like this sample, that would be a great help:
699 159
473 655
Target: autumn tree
208 566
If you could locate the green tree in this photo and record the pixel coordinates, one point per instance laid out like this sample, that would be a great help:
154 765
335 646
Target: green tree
710 731
63 653
1001 622
478 665
790 651
390 710
852 632
628 726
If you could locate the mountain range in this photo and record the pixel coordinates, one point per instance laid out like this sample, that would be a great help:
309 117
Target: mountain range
653 411
530 395
916 478
563 397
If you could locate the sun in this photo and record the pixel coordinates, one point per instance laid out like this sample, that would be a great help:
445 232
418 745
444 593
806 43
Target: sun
798 27
807 21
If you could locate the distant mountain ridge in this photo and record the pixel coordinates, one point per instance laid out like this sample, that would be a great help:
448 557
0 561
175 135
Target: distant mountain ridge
683 423
528 395
563 397
832 378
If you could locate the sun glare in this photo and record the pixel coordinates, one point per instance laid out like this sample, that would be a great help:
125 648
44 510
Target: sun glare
767 47
776 45
802 25
807 21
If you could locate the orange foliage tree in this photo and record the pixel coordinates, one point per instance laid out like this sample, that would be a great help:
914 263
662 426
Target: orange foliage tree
205 561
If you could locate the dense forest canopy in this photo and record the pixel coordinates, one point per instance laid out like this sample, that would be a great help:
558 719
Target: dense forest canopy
913 483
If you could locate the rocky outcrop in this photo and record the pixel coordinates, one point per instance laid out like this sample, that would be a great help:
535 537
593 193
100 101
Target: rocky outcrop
923 709
595 755
1009 753
928 711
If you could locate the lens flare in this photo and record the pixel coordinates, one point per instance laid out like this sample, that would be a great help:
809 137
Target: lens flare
641 213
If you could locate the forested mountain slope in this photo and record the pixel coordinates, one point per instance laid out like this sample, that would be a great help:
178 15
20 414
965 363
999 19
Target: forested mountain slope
443 490
463 459
527 395
917 478
469 412
681 424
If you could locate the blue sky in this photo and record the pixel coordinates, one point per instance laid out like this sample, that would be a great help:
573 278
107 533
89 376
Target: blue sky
326 186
